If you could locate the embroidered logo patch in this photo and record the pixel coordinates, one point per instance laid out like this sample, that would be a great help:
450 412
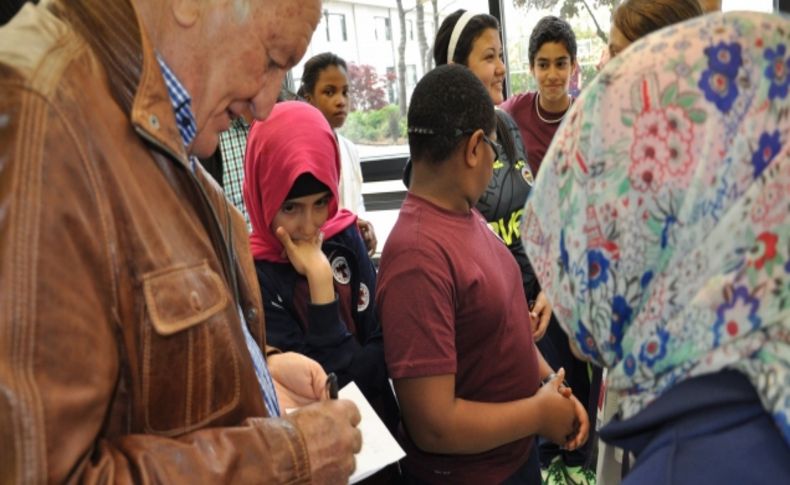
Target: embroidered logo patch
364 297
341 271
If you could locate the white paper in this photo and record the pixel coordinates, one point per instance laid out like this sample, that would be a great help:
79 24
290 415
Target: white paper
379 448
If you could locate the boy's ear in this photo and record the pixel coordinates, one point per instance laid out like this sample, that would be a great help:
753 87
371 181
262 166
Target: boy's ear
475 149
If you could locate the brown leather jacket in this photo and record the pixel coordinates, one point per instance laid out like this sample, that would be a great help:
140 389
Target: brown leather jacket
122 358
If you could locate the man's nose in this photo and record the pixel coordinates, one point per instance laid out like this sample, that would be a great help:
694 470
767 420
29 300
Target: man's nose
263 102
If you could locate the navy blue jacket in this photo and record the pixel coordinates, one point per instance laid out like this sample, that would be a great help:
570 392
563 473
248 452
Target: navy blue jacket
343 336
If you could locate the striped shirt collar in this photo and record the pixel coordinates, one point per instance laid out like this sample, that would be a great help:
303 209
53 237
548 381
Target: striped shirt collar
182 104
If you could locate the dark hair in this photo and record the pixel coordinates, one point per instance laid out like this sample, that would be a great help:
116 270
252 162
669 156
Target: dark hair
313 68
552 29
474 29
637 18
447 103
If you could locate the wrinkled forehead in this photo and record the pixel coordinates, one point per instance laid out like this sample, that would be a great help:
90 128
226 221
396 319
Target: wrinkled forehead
288 24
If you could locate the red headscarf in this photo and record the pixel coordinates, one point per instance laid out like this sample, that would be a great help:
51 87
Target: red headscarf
294 139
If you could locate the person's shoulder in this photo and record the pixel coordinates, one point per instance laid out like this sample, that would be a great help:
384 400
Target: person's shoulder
506 117
517 101
421 230
31 39
349 237
345 142
348 149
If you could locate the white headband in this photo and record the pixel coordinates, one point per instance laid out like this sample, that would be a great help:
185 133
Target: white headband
457 29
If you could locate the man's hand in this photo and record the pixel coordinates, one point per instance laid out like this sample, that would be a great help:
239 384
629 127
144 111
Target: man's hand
299 380
541 316
368 235
329 429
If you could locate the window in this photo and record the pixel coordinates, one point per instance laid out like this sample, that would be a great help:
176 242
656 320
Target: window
758 5
411 75
335 27
383 28
366 34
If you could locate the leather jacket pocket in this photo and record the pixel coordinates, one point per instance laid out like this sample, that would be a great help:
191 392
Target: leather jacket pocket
190 362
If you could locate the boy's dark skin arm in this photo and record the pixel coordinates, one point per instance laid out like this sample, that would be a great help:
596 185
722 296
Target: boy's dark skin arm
439 422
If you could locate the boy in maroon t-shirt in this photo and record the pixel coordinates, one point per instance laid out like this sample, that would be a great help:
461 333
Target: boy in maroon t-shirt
457 335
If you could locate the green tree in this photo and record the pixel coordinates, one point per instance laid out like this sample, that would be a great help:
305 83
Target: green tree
571 8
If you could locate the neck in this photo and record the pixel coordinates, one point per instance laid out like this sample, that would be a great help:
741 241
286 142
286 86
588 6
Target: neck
439 188
554 106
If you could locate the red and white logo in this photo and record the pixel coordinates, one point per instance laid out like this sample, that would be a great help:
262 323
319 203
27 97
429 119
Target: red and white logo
364 297
341 270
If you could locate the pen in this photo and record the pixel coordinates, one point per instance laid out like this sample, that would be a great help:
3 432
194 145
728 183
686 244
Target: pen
331 385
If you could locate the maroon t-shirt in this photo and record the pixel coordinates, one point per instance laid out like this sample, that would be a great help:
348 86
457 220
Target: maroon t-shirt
450 301
536 133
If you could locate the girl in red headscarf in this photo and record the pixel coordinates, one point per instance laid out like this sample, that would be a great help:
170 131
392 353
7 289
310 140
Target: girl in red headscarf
317 280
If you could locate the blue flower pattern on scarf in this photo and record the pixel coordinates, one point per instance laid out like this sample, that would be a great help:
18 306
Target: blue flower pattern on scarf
655 348
621 317
598 268
660 285
778 71
732 315
766 151
718 82
586 341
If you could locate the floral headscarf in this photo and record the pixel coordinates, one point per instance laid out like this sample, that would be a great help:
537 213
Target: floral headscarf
659 225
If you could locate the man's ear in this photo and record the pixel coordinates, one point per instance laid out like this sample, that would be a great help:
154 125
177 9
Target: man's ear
186 12
475 149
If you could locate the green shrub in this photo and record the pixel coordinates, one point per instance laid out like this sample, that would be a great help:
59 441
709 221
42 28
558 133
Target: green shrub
379 126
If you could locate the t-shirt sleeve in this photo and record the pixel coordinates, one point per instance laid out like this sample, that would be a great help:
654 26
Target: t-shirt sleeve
510 103
416 305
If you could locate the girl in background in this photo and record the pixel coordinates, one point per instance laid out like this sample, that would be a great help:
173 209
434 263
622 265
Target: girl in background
325 86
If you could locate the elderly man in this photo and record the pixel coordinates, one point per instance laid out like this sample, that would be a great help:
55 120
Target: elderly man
131 330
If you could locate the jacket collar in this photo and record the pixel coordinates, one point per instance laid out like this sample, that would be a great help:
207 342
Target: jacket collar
116 35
